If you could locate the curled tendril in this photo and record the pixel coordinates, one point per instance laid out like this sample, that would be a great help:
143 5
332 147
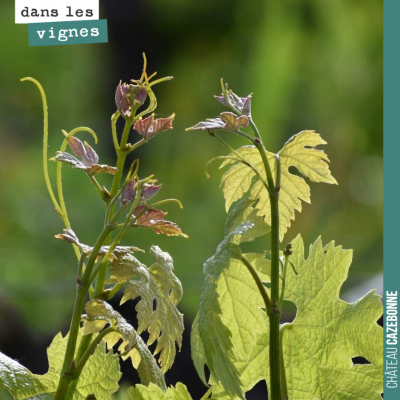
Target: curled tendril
60 204
135 164
159 203
145 83
45 145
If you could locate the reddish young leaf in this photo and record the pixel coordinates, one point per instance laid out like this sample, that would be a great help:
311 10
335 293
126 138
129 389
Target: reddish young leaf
149 126
167 228
149 217
154 219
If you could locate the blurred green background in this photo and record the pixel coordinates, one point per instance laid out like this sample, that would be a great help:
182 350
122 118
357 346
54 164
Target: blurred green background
310 65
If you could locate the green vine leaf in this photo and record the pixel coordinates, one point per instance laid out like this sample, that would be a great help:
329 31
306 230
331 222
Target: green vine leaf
228 249
217 349
152 392
99 377
328 332
318 345
197 348
244 211
99 314
231 321
18 380
298 152
157 283
88 158
124 268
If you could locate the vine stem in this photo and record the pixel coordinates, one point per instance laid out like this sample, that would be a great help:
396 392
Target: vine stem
284 389
81 292
90 349
260 285
121 158
207 394
275 317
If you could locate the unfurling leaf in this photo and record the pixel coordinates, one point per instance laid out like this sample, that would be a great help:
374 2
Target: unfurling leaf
147 192
232 122
152 392
298 152
99 376
119 251
84 151
121 100
99 314
88 158
230 99
129 96
211 123
157 283
153 219
128 193
149 126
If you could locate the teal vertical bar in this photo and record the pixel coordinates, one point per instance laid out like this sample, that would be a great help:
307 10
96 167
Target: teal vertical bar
391 219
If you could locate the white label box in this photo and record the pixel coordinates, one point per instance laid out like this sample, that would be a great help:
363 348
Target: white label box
30 11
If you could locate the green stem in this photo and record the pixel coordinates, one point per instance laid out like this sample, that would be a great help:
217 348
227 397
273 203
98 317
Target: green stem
101 192
244 161
81 293
274 345
284 389
207 394
121 157
274 342
66 377
260 286
114 290
90 349
114 120
285 265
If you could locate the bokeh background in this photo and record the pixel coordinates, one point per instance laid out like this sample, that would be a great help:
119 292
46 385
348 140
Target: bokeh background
310 65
